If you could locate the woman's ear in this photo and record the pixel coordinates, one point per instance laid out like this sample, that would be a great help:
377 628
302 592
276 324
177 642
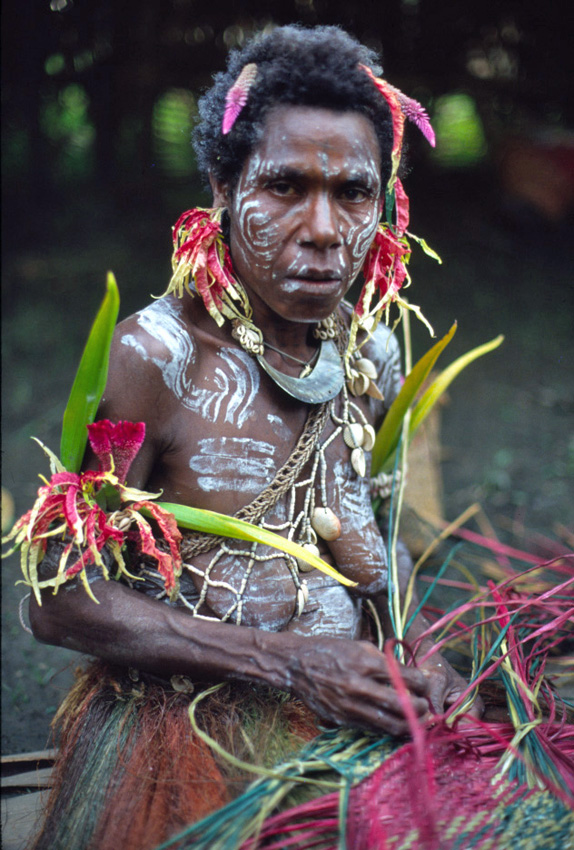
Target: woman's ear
220 192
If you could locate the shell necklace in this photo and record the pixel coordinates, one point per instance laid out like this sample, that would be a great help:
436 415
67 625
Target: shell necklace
309 518
322 383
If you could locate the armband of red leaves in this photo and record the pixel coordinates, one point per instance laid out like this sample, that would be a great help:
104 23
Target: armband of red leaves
96 509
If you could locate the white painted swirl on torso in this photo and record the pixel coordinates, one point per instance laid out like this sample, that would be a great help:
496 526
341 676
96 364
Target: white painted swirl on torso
229 392
163 321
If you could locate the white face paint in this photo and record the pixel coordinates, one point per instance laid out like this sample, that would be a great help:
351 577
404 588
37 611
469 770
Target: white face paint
360 234
261 233
304 212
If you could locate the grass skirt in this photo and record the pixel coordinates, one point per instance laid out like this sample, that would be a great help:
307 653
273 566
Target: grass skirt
131 772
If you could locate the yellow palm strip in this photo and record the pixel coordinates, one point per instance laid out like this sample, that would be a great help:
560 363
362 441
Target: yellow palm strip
198 519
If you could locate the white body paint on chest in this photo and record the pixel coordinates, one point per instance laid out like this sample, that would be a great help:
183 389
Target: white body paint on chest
240 387
233 463
330 612
352 496
280 429
234 385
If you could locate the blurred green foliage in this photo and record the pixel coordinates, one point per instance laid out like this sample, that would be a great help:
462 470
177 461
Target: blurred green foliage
460 134
173 118
65 121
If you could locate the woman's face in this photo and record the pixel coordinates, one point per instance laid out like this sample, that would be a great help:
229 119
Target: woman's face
305 211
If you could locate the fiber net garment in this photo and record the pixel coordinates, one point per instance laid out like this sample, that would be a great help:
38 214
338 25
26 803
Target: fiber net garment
286 506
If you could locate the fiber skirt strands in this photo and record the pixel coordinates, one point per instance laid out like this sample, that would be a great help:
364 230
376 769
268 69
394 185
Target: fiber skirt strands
131 772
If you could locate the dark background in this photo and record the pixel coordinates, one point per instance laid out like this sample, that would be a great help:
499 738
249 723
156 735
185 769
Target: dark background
98 102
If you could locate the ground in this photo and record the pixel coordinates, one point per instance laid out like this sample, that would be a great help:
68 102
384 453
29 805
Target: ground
507 431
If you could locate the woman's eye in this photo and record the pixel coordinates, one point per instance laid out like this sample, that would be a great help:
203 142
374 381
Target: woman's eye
282 188
355 193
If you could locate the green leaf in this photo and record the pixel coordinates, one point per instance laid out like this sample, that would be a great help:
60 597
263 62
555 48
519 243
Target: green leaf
430 252
90 380
211 522
388 435
441 383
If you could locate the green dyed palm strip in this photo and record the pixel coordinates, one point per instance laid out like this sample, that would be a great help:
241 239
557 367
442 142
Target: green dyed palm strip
95 769
442 382
341 753
387 441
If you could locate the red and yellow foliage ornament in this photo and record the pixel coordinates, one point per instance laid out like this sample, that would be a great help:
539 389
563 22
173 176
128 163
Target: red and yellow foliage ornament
93 509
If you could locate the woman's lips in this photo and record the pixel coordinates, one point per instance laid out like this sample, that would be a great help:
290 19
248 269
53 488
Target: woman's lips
314 282
317 273
313 285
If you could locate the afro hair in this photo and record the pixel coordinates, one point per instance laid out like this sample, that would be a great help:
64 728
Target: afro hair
295 65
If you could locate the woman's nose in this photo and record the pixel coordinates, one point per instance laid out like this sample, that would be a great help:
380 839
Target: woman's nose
320 225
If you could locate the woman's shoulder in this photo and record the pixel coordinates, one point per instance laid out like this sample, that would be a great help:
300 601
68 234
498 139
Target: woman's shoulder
159 331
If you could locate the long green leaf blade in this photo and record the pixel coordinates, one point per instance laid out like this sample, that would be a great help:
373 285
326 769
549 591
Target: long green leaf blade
442 382
198 519
90 380
389 432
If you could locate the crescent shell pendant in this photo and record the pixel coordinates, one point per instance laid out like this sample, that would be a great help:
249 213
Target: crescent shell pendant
322 384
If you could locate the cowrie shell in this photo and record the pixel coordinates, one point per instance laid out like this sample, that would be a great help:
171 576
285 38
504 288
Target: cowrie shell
326 523
351 382
302 597
367 367
354 435
304 567
368 437
358 462
374 392
359 383
182 684
362 383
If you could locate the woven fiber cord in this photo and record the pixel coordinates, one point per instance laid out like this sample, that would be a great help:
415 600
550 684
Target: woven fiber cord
194 544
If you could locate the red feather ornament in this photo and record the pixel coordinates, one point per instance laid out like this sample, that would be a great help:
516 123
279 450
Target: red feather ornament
201 255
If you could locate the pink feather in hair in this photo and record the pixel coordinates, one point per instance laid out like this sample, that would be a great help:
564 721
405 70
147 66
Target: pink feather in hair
409 107
415 113
236 97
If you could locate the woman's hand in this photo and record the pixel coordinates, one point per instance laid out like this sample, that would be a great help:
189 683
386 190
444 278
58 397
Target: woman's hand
347 683
446 685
